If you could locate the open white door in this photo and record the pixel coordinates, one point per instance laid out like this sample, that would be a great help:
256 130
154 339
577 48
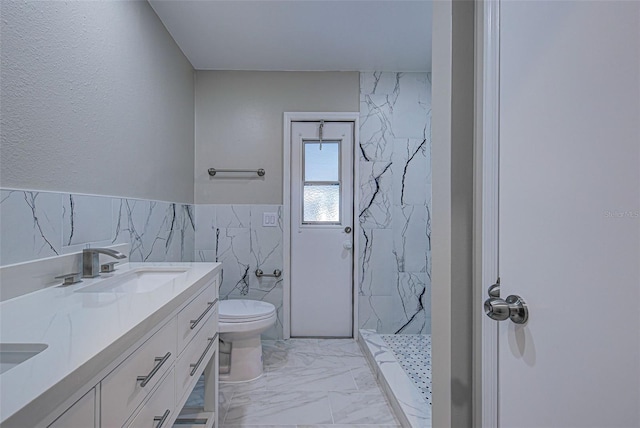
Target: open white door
570 213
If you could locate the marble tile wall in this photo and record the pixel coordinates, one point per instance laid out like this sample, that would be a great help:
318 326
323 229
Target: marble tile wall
36 225
234 236
395 202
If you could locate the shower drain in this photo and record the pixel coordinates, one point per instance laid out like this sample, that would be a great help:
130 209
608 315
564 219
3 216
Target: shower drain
413 352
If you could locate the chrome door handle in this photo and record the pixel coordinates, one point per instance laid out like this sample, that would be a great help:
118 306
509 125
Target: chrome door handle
514 307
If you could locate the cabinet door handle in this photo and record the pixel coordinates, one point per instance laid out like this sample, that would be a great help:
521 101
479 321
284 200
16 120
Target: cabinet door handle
162 419
194 367
144 380
195 322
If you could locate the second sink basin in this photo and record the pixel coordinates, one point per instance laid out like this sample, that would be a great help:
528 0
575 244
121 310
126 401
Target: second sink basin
141 280
12 354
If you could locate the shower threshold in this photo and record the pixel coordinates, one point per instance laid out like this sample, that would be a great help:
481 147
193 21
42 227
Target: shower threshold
408 389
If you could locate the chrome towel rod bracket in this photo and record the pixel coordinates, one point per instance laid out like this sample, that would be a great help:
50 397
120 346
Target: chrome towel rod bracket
214 171
276 273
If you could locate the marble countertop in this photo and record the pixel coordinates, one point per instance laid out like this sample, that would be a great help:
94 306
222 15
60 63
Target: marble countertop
85 333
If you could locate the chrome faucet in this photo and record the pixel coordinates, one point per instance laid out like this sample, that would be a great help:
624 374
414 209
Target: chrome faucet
91 260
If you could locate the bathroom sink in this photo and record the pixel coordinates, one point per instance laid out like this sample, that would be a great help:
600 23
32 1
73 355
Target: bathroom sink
142 280
12 354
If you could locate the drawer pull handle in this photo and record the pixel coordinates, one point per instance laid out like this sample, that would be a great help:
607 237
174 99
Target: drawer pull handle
194 367
194 323
144 380
191 421
162 419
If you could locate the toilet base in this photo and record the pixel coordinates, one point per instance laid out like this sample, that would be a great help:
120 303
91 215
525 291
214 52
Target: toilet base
246 360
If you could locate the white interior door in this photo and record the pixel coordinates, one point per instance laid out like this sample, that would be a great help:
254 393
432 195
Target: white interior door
570 213
322 229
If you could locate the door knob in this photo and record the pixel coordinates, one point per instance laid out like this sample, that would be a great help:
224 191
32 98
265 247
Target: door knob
347 245
494 290
513 307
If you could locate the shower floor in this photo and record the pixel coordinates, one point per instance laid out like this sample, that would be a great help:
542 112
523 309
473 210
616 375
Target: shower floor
413 352
403 367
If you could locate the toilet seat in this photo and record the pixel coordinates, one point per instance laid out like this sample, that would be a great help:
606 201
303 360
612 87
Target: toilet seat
243 311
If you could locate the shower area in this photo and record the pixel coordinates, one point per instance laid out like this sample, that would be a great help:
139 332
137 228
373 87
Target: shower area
394 260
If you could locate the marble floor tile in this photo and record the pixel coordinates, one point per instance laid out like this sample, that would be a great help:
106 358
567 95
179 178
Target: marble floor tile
308 383
315 378
360 408
347 361
263 426
365 379
290 353
340 348
325 353
224 399
283 407
346 426
254 385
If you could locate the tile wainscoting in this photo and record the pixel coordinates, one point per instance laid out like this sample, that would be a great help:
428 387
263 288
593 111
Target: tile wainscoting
35 225
234 236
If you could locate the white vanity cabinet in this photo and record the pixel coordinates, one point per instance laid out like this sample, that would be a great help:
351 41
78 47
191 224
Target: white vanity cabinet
150 387
121 350
81 415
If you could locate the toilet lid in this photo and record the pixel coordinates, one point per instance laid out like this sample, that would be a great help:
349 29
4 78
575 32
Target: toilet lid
236 310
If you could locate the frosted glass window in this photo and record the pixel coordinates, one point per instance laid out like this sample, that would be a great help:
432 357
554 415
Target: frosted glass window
322 161
321 203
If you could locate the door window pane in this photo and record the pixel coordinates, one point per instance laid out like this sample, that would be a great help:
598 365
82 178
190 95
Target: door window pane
321 161
321 203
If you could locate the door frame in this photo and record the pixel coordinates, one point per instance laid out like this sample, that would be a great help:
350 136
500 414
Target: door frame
486 211
286 209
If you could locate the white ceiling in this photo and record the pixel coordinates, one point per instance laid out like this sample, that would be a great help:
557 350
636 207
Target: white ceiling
301 35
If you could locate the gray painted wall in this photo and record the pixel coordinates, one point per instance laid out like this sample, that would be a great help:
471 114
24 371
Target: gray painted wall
452 225
239 117
462 190
96 98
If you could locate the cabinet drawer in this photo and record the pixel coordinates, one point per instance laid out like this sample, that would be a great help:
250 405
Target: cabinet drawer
159 411
195 358
196 314
128 385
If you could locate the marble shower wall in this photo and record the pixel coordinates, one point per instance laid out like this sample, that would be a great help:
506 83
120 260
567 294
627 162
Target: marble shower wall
395 202
35 225
234 236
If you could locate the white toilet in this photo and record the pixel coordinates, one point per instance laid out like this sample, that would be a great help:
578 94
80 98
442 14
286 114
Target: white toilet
240 324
